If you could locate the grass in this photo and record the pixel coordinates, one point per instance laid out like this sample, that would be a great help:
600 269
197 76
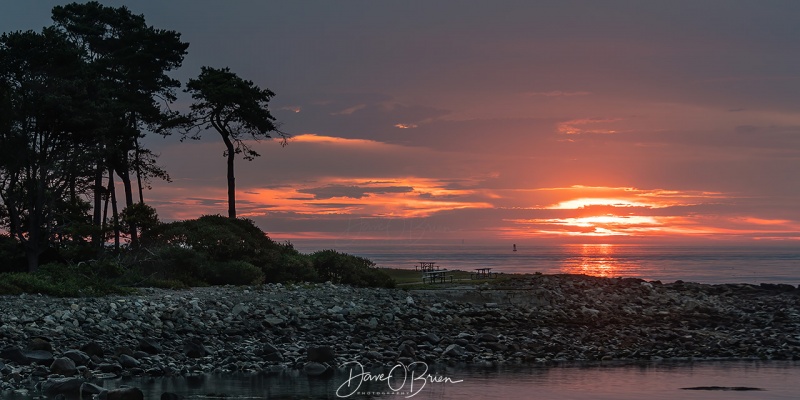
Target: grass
411 279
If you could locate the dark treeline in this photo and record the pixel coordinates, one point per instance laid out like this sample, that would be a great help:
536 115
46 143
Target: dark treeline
76 100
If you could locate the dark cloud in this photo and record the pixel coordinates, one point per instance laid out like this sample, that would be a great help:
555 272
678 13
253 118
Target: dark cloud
355 192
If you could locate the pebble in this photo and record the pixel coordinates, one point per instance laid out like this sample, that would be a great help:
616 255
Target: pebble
316 327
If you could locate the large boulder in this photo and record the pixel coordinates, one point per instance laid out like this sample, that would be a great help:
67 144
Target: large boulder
63 366
127 393
321 354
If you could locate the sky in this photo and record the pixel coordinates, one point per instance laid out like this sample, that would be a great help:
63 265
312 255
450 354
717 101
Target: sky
496 121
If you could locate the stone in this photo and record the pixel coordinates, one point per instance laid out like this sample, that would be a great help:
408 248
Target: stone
127 361
127 393
27 357
69 387
77 356
171 396
314 369
194 350
93 349
274 357
454 350
63 366
149 345
40 343
321 354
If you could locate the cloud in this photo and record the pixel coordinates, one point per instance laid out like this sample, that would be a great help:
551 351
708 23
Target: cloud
355 192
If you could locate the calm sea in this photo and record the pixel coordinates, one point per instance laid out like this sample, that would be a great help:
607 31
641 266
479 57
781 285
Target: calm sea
704 264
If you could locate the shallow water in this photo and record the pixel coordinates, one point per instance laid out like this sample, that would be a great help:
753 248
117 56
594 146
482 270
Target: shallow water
652 381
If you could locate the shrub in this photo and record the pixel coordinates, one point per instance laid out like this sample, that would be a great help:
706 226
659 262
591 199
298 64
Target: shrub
12 255
232 273
353 270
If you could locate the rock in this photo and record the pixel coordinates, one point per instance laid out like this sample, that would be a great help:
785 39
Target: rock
149 346
454 350
27 357
69 387
77 356
63 366
40 343
171 396
128 393
273 357
127 361
93 349
321 354
314 369
431 338
194 350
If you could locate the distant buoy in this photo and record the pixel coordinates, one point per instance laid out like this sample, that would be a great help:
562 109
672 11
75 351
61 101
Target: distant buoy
515 247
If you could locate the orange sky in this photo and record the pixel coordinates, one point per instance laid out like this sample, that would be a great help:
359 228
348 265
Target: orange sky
575 121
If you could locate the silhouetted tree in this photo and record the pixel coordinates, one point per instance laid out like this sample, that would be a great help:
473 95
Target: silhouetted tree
237 110
42 153
130 61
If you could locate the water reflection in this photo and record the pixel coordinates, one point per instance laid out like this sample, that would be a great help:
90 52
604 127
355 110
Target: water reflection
655 381
601 260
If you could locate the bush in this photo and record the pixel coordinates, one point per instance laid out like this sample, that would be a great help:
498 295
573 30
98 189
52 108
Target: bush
57 280
173 263
232 273
348 269
12 255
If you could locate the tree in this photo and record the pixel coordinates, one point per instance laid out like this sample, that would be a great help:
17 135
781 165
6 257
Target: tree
130 61
237 110
42 153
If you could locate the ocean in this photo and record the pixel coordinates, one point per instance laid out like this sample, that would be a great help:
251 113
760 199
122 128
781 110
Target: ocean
704 264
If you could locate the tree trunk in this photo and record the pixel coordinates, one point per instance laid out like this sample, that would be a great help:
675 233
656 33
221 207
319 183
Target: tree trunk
125 176
97 217
112 190
138 163
231 178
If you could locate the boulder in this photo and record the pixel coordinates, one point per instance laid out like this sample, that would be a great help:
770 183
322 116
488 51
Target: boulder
63 366
127 361
314 368
69 387
321 354
128 393
194 350
93 349
150 346
40 343
77 356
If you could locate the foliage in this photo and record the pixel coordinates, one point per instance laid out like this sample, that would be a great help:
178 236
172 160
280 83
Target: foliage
344 268
58 280
12 255
237 110
232 273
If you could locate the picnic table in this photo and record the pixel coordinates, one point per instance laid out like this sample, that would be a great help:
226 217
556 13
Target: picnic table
440 275
425 266
482 273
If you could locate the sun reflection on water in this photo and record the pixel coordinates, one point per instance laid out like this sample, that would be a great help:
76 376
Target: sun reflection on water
596 260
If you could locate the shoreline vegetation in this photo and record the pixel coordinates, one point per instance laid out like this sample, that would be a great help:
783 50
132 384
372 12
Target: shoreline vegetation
57 345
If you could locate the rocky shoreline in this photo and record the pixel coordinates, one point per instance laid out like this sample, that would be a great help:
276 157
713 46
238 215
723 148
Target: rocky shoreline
55 346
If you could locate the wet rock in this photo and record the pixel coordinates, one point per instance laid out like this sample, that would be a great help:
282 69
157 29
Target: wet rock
193 349
127 361
77 356
93 349
171 396
69 387
454 350
321 354
121 394
314 368
63 366
150 346
40 343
